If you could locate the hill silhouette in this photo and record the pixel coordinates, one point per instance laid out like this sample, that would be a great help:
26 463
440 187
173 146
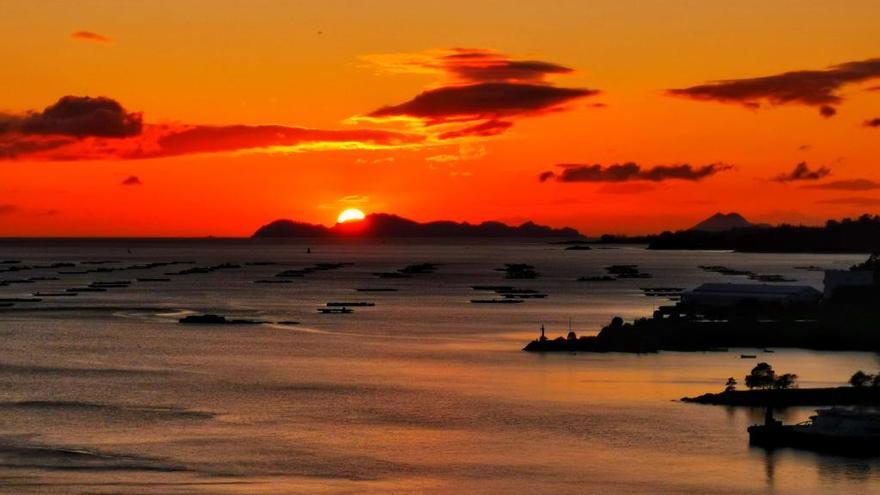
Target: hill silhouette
721 222
388 225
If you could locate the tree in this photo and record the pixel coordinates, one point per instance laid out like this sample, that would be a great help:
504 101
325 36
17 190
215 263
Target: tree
762 376
861 379
730 386
785 381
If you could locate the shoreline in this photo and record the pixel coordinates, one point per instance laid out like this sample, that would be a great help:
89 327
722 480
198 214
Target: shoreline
830 396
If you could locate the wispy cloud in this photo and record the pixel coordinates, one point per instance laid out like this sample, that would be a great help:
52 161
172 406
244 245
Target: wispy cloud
132 180
817 88
573 172
89 36
802 172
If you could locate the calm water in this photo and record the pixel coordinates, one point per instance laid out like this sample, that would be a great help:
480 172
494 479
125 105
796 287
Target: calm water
421 394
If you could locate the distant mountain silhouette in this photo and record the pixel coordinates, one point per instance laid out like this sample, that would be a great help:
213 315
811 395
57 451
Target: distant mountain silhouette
721 222
387 225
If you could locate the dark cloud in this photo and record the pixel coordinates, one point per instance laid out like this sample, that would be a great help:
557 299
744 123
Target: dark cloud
484 129
818 88
478 86
873 122
631 172
802 171
545 176
854 201
484 101
89 36
15 146
132 180
478 65
846 185
76 116
7 209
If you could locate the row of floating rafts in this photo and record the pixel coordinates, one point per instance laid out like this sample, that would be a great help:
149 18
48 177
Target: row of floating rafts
671 293
410 270
509 295
733 272
343 307
616 272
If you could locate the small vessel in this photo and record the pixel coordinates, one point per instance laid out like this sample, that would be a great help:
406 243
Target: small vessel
747 356
838 430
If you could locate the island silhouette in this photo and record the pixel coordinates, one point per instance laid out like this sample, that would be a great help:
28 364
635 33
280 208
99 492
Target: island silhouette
389 225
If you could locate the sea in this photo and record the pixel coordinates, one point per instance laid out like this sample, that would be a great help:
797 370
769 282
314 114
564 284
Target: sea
422 393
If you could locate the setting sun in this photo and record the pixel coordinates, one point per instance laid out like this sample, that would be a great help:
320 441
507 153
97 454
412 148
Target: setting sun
349 215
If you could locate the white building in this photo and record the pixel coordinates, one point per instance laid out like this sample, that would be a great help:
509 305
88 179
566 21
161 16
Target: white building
726 295
847 278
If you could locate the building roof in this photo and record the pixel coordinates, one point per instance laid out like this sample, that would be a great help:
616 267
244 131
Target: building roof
756 289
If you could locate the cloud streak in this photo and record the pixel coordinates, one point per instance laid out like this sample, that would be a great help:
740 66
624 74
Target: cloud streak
854 201
802 172
572 172
132 180
84 128
873 122
817 88
846 185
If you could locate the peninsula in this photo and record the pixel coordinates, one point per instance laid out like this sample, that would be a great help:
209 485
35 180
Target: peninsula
718 316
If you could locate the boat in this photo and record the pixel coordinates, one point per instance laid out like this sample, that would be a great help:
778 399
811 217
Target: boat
747 356
835 430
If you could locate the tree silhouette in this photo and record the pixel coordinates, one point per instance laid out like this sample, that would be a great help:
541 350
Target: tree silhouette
785 381
762 376
730 386
861 379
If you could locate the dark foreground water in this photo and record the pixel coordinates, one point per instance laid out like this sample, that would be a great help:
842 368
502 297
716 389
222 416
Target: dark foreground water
422 394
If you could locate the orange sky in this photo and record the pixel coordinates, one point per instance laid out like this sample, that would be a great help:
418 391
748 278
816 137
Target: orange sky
508 91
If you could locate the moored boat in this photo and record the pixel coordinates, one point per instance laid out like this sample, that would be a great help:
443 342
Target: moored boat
836 430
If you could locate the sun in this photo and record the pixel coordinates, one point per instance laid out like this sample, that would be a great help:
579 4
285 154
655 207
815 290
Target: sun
349 215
